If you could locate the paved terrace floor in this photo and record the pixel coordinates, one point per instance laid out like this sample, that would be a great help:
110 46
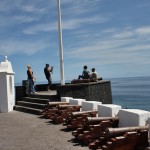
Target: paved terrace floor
53 92
22 131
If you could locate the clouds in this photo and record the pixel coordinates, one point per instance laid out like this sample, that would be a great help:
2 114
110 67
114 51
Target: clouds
143 30
79 7
35 29
126 46
21 47
105 34
35 18
20 12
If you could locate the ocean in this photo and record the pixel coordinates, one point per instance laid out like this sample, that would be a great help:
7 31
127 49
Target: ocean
131 92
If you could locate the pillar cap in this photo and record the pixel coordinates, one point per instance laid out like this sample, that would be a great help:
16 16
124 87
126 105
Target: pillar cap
6 66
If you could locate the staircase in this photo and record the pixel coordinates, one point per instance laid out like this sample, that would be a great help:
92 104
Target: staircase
35 103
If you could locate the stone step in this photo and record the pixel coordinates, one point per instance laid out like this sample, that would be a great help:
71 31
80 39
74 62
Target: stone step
35 103
44 96
27 110
35 100
31 105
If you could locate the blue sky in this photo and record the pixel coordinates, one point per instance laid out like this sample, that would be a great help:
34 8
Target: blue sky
111 35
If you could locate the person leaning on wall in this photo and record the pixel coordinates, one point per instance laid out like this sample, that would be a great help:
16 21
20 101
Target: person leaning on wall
31 80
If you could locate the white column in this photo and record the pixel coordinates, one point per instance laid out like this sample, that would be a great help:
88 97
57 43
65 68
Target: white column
60 45
7 95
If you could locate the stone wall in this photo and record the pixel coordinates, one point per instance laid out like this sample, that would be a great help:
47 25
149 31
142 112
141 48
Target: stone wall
93 91
20 92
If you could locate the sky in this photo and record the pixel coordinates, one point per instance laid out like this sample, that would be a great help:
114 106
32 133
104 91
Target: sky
111 35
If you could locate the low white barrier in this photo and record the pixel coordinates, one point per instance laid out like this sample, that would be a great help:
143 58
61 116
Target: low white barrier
76 101
133 117
66 99
90 105
108 110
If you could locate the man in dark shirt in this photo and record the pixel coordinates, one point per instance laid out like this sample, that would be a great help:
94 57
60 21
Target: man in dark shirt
85 73
47 72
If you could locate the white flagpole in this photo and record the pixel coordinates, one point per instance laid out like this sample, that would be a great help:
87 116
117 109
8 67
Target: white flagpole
60 45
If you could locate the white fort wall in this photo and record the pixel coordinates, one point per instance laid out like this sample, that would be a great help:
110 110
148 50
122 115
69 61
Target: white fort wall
127 117
7 95
108 110
133 117
77 101
66 99
90 105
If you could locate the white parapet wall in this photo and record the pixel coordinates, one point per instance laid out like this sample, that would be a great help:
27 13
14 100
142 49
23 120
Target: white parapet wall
77 101
108 110
66 99
133 117
7 94
90 105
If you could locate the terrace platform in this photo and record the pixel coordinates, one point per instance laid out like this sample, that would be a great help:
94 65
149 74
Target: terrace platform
23 131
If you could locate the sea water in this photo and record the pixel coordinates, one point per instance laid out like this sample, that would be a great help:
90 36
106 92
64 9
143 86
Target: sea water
131 92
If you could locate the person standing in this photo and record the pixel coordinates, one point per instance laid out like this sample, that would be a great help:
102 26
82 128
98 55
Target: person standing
31 79
47 71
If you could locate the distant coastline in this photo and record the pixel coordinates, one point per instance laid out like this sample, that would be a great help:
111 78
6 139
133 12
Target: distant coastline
69 81
44 82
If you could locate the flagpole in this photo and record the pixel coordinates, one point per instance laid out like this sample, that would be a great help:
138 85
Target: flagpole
60 45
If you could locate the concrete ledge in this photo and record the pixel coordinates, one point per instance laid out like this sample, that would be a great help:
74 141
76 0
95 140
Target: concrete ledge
133 117
90 105
93 91
66 99
108 110
77 101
